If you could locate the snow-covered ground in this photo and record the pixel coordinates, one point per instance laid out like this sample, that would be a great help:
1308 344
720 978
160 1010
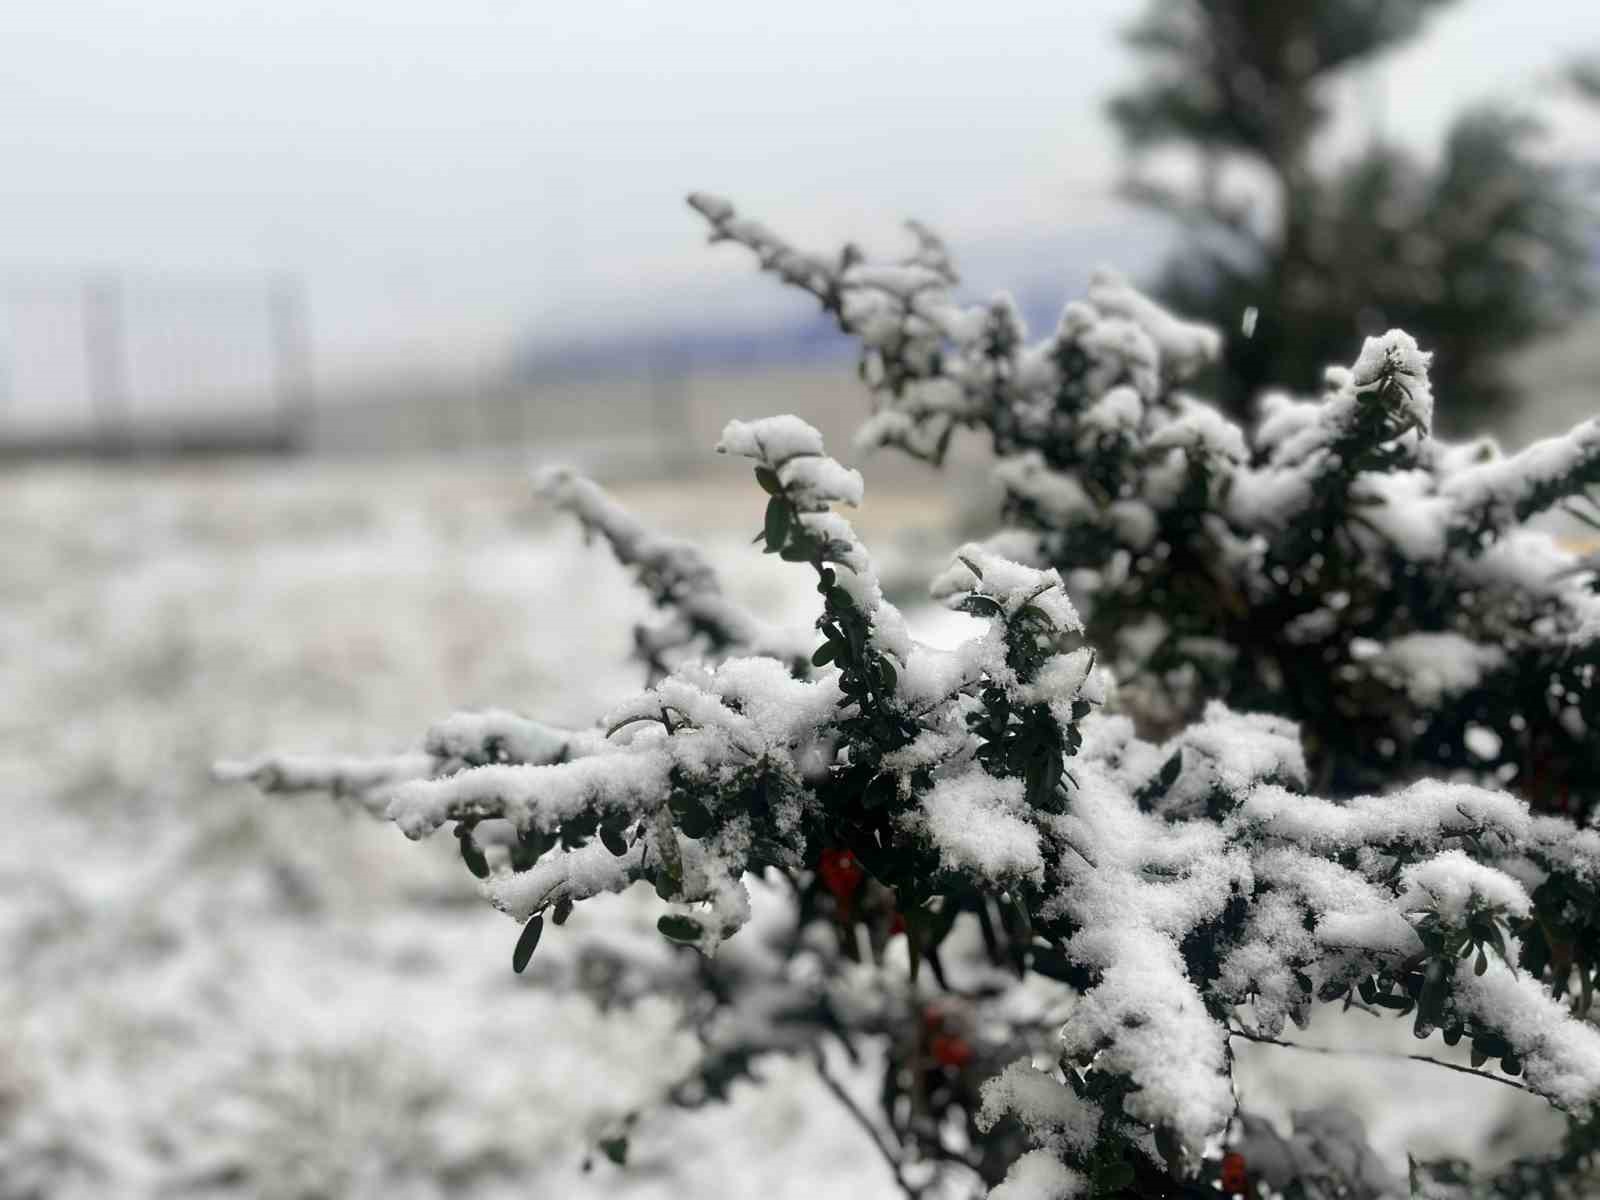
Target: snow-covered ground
204 992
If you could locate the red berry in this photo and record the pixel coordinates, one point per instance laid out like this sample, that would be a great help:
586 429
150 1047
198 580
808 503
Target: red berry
1234 1175
897 924
841 873
950 1051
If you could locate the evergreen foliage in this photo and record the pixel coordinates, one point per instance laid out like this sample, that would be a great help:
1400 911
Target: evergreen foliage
1049 878
1333 563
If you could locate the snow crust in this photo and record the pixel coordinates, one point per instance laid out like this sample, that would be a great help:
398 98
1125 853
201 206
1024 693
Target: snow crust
1395 360
1434 666
1184 346
976 822
1039 1175
771 439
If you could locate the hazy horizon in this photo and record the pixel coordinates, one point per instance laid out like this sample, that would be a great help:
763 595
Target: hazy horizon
450 179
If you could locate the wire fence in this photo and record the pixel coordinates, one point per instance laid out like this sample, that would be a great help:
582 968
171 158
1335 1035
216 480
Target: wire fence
113 361
114 364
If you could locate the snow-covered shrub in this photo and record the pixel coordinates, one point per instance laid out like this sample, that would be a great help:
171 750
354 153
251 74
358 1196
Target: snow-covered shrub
1333 563
1048 928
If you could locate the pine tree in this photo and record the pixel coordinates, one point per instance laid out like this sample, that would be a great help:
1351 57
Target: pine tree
1055 874
1476 255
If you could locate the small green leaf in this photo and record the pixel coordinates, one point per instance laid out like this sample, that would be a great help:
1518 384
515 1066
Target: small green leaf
669 875
1430 1004
1499 942
1171 768
1033 614
1052 774
823 655
615 1148
563 910
528 942
693 818
970 565
676 927
769 481
473 857
1113 1176
613 840
1170 1148
777 523
1491 1045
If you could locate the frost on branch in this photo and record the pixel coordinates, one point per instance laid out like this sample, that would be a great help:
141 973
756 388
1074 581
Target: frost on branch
364 780
1182 892
1333 563
674 573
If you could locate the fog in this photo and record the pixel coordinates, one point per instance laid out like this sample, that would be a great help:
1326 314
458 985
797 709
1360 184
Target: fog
446 178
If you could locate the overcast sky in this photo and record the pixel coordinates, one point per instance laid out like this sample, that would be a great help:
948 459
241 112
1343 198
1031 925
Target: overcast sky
446 173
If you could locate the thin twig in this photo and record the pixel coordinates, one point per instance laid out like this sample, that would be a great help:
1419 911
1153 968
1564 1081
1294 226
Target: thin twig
1071 845
844 1098
1423 1058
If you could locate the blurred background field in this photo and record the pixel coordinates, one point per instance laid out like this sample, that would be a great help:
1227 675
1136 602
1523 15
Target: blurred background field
206 992
291 297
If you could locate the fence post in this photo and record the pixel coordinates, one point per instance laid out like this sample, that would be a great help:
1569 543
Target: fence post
291 361
105 358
